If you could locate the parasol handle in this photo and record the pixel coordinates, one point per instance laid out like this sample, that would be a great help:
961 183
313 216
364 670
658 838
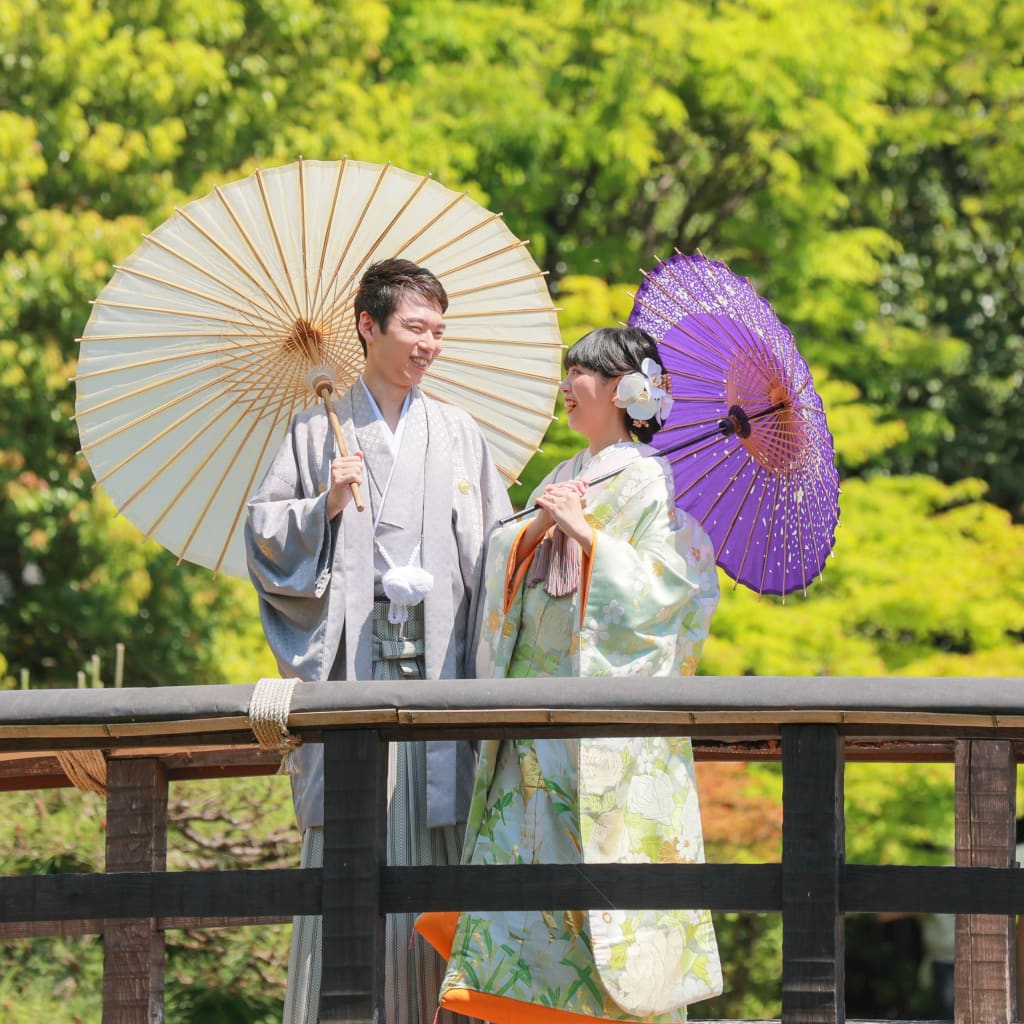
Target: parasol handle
737 422
533 508
324 391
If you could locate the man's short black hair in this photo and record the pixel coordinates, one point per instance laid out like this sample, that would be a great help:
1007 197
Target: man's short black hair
386 283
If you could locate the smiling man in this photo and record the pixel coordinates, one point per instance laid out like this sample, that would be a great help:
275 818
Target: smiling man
389 592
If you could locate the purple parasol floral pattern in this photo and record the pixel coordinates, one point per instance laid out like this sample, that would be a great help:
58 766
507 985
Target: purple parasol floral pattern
750 449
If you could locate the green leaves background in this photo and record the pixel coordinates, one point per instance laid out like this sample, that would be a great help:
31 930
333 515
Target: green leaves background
861 161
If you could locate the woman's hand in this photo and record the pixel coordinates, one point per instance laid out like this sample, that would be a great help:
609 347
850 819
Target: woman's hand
563 502
345 471
541 524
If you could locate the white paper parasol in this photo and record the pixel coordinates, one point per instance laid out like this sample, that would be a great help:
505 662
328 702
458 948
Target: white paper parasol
210 337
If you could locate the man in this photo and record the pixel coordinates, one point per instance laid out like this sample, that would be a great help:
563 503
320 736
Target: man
324 571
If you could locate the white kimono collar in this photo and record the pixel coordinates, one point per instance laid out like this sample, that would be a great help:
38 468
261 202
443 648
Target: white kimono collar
394 439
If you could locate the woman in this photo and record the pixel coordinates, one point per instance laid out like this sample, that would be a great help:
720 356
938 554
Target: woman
606 579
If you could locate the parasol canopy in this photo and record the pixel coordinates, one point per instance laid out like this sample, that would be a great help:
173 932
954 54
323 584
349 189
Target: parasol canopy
750 450
218 328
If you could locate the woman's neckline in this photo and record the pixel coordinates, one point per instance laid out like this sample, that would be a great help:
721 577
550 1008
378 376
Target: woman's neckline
587 457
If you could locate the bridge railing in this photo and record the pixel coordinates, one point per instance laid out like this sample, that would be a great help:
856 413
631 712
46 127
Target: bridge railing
133 741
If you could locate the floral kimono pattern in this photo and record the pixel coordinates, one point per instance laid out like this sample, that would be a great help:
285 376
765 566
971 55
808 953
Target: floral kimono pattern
643 608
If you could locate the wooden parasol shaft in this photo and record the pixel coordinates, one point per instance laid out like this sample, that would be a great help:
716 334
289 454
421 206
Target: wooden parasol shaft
325 391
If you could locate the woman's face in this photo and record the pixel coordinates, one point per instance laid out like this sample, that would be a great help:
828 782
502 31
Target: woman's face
588 402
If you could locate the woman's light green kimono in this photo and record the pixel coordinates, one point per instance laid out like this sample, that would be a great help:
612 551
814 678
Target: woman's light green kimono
649 590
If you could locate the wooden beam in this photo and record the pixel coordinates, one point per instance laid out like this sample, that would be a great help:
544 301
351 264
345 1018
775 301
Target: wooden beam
133 951
188 715
355 851
95 926
813 831
175 895
37 905
986 796
743 888
916 889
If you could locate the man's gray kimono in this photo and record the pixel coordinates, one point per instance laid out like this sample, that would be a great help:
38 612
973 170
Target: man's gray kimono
315 577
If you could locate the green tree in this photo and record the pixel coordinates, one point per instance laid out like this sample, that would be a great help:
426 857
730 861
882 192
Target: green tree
946 183
609 132
926 578
860 161
111 115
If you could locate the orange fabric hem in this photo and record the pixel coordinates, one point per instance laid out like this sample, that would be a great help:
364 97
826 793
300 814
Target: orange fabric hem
586 576
514 574
500 1010
438 928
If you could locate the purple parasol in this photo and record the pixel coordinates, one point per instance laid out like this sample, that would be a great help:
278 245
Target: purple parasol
747 439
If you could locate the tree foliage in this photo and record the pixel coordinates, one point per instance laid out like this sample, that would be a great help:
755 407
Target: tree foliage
860 161
220 975
856 160
946 184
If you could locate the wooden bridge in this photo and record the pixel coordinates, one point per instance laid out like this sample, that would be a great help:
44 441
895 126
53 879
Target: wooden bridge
133 741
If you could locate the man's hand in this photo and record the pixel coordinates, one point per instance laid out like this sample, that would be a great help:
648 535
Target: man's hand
345 471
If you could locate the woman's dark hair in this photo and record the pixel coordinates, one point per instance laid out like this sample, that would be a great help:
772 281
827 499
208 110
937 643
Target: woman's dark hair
386 283
614 352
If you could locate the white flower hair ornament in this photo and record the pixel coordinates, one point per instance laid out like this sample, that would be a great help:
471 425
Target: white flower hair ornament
645 395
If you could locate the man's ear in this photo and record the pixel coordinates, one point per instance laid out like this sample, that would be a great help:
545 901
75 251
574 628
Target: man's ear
365 326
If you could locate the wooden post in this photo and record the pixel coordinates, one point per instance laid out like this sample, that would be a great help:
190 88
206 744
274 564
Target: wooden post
813 836
986 797
133 951
355 849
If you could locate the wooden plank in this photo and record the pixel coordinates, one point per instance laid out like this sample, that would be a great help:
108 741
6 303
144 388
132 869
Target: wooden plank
355 851
133 951
812 853
900 729
71 904
95 926
73 738
179 714
874 888
278 893
42 770
753 888
985 972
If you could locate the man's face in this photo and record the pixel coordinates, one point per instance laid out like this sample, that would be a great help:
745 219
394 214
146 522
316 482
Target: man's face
402 354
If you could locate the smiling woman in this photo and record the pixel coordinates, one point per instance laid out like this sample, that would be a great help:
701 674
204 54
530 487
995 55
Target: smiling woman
588 393
606 578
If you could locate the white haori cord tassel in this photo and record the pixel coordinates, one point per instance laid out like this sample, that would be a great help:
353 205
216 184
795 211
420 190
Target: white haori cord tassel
405 585
268 718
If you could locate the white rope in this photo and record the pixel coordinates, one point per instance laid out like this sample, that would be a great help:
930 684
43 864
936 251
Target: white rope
85 769
268 719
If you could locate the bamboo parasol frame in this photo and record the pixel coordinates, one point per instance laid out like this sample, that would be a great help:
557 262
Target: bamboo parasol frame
760 473
236 313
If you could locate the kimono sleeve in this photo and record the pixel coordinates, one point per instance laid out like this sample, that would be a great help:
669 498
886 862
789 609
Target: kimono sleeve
477 513
288 536
653 585
497 626
499 616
